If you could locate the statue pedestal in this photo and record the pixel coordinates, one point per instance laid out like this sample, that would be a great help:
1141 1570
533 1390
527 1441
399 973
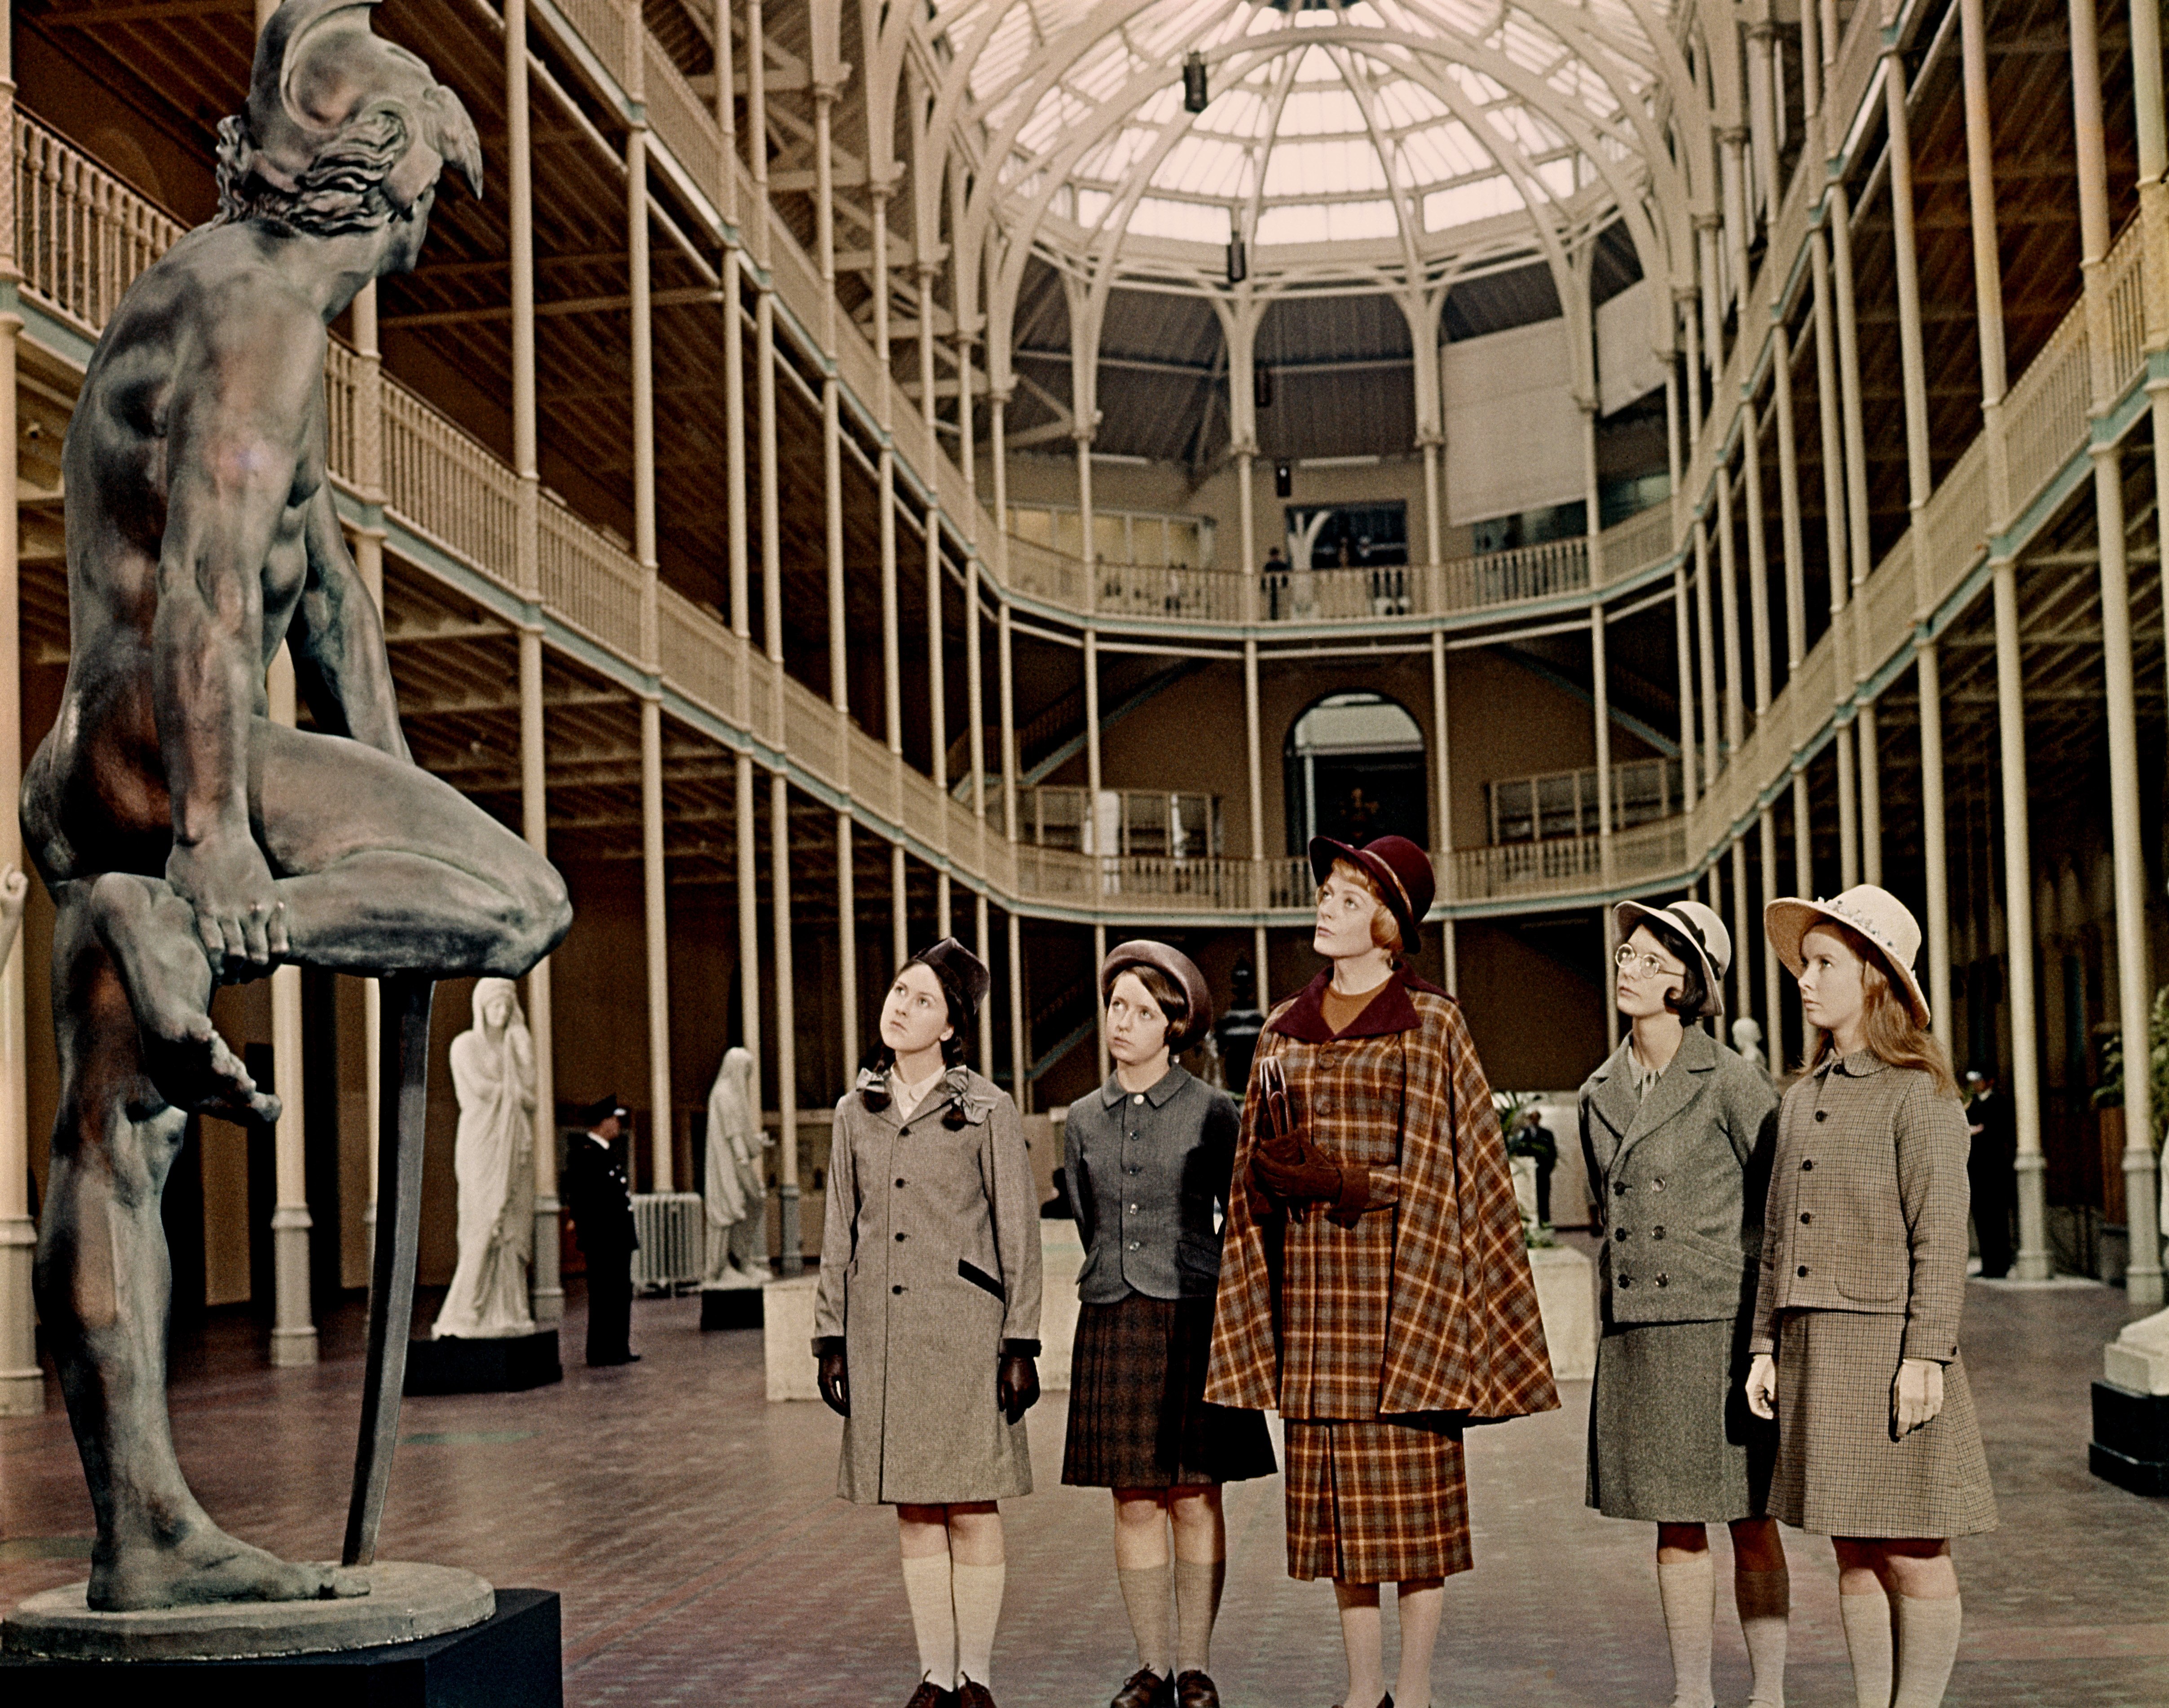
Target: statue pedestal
498 1364
2130 1446
510 1659
732 1307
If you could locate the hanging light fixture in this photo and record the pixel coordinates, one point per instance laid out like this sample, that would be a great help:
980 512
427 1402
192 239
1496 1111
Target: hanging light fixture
1195 96
1238 263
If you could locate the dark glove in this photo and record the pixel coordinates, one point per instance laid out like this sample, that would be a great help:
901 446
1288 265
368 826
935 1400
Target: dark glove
1298 1174
834 1375
1016 1380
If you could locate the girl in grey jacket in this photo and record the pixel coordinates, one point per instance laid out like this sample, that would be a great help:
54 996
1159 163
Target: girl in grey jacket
1677 1129
926 1320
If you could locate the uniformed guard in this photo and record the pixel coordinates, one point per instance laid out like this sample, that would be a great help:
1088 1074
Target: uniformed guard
601 1199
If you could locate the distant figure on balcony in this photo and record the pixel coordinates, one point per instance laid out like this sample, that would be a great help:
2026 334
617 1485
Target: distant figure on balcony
186 838
1272 583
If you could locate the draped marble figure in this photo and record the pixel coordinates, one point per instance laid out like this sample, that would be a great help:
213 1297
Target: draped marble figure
736 1183
494 1160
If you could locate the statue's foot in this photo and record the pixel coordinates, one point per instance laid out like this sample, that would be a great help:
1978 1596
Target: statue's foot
151 932
209 1566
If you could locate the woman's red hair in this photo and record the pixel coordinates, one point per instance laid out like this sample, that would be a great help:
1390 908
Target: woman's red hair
1888 1027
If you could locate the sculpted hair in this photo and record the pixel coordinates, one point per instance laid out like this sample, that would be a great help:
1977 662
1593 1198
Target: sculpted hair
341 190
1385 929
1888 1027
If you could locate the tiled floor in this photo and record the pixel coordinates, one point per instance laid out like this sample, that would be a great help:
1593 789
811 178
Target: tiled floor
692 1531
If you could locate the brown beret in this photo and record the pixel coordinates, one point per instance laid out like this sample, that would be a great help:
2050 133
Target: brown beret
1179 970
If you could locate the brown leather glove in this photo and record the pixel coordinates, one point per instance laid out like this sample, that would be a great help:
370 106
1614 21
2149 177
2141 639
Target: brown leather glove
1016 1379
1300 1173
834 1374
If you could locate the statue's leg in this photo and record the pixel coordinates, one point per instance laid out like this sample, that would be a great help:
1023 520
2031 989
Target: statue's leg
382 867
105 1284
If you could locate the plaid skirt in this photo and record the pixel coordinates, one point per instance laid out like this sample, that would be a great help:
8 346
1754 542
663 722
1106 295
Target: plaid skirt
1839 1473
1374 1502
1137 1415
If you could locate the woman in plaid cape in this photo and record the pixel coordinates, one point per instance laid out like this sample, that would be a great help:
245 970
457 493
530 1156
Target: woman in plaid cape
1374 1283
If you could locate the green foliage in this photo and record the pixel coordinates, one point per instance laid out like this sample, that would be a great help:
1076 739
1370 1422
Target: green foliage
2110 1096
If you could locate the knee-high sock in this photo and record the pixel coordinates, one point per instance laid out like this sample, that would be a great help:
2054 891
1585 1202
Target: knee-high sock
1688 1590
1144 1593
978 1594
1765 1600
933 1616
1867 1620
1418 1612
1363 1635
1928 1645
1197 1586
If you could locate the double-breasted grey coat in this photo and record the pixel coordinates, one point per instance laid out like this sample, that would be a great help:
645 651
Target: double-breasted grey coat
929 1267
1679 1177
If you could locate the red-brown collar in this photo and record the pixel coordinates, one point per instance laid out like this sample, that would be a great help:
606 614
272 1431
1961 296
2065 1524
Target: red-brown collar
1388 1012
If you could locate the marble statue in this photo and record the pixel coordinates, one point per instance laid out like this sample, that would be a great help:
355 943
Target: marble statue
1747 1042
736 1186
186 839
494 1160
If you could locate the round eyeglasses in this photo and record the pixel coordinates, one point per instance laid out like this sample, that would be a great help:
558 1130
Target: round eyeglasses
1629 959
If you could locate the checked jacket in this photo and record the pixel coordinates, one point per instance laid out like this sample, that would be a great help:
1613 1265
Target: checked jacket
1424 1307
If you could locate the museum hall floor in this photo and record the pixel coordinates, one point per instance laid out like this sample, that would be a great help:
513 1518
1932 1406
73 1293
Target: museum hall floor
693 1532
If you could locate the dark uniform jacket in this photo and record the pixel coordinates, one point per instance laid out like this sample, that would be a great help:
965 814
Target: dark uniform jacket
1144 1171
1680 1177
601 1199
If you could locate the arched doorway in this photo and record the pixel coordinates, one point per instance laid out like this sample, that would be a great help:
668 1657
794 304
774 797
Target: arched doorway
1354 768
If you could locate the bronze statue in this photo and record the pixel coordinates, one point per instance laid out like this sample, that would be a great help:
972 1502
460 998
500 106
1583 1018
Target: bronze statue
188 840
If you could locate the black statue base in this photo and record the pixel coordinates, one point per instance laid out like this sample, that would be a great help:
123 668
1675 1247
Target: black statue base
732 1307
497 1366
2131 1439
511 1660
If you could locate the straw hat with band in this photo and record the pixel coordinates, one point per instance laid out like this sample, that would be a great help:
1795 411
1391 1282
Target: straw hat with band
1886 922
1401 870
1179 970
1702 931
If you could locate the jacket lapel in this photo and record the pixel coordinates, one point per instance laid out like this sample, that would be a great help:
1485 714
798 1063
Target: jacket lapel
1683 1076
1614 1105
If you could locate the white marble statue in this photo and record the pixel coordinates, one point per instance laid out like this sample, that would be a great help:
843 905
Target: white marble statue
1747 1041
736 1187
493 1159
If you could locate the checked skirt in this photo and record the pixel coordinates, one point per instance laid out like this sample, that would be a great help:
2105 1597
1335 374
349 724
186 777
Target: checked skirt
1371 1502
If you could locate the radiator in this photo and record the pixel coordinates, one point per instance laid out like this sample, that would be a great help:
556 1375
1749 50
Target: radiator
672 1226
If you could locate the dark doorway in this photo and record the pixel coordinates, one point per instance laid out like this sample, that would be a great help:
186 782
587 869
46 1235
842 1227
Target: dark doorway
1355 771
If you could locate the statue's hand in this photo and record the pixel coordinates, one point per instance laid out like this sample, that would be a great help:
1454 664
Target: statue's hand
239 917
15 890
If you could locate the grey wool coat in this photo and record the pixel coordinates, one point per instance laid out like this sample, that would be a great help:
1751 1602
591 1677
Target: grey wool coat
929 1267
1680 1177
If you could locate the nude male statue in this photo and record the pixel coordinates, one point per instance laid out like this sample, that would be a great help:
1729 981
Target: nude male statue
185 838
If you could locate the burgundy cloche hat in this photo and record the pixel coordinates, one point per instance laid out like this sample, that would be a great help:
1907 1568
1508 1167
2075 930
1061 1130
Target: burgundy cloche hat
1179 969
1401 870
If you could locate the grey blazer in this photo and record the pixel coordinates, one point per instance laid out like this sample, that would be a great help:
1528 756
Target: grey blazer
1143 1170
1679 1178
1867 1204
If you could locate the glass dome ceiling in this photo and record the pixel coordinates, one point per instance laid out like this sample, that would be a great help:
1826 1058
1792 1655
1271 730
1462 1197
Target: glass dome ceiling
1369 144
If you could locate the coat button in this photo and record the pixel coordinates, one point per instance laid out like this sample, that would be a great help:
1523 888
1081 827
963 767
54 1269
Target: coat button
1136 1098
1808 1166
898 1289
1626 1280
1134 1246
1663 1279
1133 1209
899 1180
1822 1114
1620 1233
1806 1216
1802 1271
1657 1233
899 1239
1657 1183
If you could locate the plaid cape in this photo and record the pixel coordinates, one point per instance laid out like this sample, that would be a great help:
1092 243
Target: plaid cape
1425 1308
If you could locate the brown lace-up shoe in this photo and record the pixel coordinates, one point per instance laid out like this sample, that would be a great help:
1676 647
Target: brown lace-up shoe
1145 1688
1195 1690
929 1695
974 1694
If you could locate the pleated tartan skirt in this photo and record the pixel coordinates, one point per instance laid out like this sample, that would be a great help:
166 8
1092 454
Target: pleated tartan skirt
1839 1473
1374 1502
1137 1414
